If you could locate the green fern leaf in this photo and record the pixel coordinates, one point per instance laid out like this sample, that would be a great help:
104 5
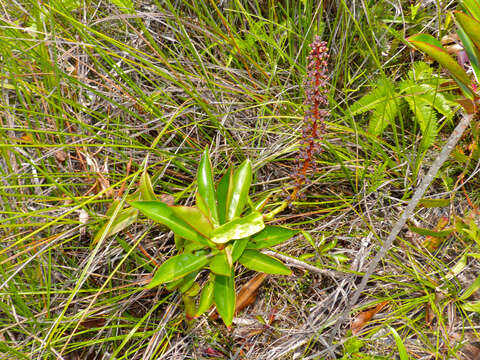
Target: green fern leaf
383 102
422 99
421 71
427 119
437 100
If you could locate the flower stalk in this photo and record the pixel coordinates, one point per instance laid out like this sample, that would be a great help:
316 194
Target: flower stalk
316 112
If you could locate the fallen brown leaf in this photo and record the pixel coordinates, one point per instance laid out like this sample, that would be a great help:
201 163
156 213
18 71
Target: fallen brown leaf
364 317
248 292
60 155
28 138
429 315
93 322
432 243
211 352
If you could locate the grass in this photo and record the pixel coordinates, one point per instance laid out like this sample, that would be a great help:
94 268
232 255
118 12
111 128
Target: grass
93 94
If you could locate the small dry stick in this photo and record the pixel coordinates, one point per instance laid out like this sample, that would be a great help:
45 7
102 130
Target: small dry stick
437 164
300 264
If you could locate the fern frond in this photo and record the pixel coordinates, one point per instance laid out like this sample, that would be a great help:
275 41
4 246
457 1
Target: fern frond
428 94
421 71
383 102
422 99
419 90
381 92
383 116
427 119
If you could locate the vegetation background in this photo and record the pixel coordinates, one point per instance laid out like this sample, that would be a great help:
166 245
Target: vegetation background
94 92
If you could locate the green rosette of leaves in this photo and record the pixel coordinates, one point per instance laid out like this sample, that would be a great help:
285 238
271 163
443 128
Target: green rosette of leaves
221 230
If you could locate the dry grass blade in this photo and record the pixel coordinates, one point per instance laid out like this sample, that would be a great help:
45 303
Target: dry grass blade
407 213
93 93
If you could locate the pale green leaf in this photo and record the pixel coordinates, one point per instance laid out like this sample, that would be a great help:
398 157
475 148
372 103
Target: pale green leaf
238 228
219 264
206 297
206 187
471 289
163 214
255 260
195 218
123 220
224 295
472 306
177 267
271 236
242 178
146 188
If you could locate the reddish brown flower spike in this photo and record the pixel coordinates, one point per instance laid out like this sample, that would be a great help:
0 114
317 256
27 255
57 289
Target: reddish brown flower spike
317 110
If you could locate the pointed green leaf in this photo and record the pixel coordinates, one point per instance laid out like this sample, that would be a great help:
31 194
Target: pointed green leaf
428 232
469 34
224 295
473 7
471 289
192 291
111 209
189 304
201 204
472 306
255 260
192 246
163 214
239 190
146 188
186 286
185 282
238 228
432 203
271 236
223 195
206 188
195 218
402 351
470 27
177 267
206 298
124 219
238 248
434 48
219 264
